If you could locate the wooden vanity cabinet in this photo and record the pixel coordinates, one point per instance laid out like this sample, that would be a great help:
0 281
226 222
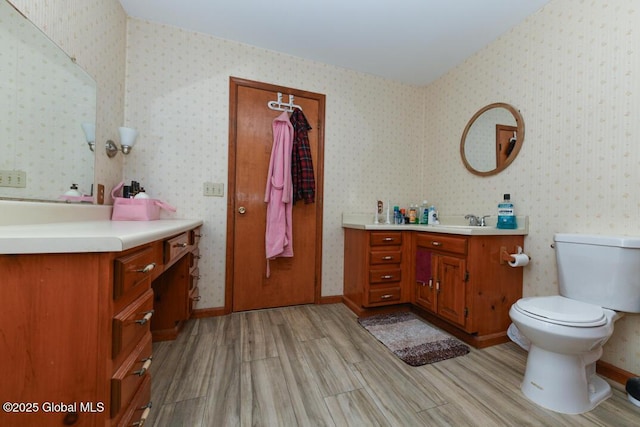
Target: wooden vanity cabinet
174 304
376 268
75 330
463 287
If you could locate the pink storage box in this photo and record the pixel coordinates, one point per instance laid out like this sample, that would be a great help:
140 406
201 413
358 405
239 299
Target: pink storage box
136 209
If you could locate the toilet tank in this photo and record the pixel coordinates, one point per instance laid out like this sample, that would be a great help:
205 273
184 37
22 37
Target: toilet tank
601 270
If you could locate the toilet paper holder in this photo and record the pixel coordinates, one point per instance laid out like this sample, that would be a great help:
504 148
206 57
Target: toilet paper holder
506 257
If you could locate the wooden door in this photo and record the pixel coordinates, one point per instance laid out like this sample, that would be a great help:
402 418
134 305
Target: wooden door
293 280
504 146
451 288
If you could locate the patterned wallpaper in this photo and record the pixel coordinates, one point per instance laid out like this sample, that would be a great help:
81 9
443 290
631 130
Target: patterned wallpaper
177 96
572 71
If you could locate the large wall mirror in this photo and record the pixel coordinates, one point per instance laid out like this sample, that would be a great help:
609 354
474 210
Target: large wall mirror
492 139
46 98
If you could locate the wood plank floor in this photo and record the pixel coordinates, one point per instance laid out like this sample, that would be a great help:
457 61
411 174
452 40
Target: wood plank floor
314 365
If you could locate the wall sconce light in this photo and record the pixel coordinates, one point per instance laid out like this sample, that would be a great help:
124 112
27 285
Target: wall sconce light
90 133
127 140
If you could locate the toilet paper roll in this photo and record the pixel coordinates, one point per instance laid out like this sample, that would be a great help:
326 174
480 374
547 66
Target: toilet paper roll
520 260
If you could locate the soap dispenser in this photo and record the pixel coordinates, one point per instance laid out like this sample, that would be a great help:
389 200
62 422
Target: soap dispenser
73 191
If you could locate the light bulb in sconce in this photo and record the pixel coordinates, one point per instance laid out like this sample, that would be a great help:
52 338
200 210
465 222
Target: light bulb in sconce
90 134
127 140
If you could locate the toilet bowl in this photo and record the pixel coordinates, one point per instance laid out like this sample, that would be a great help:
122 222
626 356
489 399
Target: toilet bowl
599 279
564 348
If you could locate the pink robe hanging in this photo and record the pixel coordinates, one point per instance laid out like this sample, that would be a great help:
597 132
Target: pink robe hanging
279 192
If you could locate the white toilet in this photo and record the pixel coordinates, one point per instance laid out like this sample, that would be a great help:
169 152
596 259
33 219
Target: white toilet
599 276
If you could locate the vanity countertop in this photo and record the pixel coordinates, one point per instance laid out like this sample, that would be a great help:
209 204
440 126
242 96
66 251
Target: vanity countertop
88 236
448 225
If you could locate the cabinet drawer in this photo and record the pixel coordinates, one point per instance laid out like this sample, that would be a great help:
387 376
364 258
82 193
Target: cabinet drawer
385 257
129 376
175 247
133 270
138 410
439 242
386 275
194 236
194 276
194 297
380 238
386 295
194 257
132 323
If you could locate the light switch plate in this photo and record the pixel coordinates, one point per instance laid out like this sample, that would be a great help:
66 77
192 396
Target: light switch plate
13 178
213 189
218 189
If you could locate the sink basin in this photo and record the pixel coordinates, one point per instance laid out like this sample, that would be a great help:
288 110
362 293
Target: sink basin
462 226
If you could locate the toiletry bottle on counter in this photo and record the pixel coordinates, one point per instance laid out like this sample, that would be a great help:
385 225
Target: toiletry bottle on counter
424 213
397 217
73 191
506 214
433 215
141 194
412 214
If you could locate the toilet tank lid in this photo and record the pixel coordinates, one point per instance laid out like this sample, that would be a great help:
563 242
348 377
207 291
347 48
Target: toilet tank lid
598 239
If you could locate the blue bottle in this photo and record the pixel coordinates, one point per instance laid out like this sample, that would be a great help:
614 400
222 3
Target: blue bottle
506 214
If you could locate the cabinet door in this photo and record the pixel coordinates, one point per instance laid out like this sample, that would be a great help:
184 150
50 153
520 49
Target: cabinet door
425 291
450 286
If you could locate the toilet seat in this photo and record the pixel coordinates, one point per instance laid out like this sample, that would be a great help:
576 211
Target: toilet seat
562 311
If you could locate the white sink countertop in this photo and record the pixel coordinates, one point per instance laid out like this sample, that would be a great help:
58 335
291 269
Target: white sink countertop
31 228
448 224
88 236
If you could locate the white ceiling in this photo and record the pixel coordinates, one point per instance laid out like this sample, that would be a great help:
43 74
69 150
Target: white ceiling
411 41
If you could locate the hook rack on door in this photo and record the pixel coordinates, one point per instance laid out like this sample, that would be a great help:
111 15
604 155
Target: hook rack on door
283 106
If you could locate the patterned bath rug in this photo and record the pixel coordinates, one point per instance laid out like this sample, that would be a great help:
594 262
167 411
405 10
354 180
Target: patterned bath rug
413 340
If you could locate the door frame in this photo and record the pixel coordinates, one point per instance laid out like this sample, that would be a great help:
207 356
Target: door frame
234 84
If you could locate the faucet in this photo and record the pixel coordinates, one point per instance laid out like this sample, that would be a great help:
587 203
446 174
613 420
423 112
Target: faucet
477 221
473 220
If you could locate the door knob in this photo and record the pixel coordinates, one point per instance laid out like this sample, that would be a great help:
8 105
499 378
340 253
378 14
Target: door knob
242 210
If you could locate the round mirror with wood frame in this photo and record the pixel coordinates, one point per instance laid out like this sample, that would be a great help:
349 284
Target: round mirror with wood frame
492 139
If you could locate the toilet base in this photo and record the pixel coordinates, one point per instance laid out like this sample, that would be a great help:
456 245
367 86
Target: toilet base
564 383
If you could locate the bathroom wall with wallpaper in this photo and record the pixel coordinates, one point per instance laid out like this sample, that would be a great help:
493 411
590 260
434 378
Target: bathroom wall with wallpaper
572 70
177 95
93 32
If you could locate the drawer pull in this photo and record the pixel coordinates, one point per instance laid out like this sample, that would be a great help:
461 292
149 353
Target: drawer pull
387 277
436 243
144 416
145 367
430 283
386 296
180 245
197 298
388 239
438 286
387 258
196 277
147 268
146 318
